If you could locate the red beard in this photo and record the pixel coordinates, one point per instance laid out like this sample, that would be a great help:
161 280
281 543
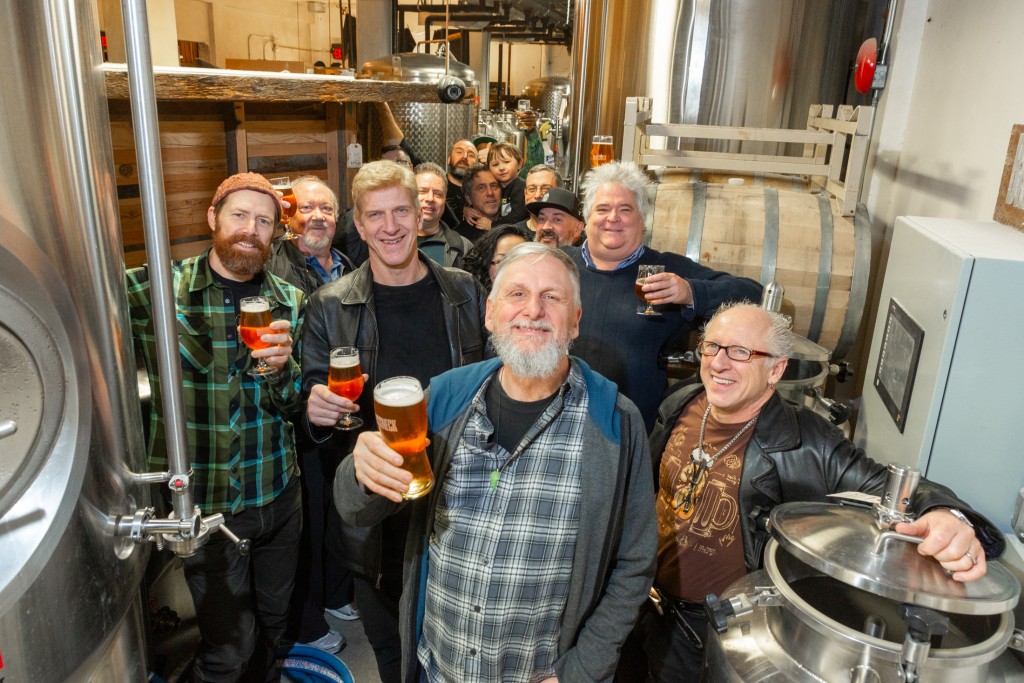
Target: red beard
238 261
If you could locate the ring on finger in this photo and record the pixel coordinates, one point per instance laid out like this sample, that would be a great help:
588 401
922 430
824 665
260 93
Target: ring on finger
968 554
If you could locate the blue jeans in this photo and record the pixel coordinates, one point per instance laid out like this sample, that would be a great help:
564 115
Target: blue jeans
242 601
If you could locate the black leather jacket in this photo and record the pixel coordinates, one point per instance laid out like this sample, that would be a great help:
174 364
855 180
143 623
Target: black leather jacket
797 455
289 264
342 313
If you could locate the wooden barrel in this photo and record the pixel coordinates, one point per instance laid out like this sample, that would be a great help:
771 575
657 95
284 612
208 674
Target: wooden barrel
780 181
797 239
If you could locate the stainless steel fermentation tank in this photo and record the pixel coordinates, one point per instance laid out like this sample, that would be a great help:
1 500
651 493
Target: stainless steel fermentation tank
430 128
716 62
70 428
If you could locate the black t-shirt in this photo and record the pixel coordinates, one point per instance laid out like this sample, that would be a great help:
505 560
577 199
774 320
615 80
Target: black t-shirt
410 325
511 418
236 291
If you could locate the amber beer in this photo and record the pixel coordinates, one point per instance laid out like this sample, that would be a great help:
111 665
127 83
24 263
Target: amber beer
289 196
402 420
255 322
601 151
638 289
345 378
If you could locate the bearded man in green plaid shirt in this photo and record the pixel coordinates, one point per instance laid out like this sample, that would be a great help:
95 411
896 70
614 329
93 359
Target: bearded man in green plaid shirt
238 427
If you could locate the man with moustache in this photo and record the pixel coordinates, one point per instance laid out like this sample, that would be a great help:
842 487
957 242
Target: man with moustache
462 156
539 179
242 451
539 528
435 238
483 194
309 262
398 295
556 215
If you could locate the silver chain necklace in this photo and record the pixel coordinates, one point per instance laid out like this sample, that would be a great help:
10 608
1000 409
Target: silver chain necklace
704 462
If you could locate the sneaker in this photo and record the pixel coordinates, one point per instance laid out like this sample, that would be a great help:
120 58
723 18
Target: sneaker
346 613
330 643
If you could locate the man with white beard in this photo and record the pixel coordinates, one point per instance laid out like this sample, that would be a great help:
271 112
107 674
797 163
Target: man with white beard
538 529
309 261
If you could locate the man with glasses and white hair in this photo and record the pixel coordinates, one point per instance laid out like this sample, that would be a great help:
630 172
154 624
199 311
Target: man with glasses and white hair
734 438
539 527
618 343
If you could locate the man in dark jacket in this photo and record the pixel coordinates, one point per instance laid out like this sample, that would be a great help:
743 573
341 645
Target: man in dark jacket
734 444
309 262
435 238
407 316
539 527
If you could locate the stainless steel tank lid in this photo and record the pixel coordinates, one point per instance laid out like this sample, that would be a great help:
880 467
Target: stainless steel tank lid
416 67
805 349
840 540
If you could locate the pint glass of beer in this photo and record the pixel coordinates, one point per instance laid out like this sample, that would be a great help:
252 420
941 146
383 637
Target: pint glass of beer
402 420
253 323
346 380
645 271
284 186
601 151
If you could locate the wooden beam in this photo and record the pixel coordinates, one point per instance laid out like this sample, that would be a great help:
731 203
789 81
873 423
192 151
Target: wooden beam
176 83
696 131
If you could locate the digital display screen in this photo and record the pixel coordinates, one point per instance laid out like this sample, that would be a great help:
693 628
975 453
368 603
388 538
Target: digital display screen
897 362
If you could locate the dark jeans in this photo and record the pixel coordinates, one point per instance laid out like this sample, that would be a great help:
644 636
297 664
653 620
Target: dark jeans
378 609
242 601
322 581
672 643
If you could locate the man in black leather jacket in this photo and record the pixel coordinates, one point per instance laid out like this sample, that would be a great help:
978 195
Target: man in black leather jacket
730 449
407 316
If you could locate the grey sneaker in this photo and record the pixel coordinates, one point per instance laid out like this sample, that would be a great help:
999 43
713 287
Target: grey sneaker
346 613
331 643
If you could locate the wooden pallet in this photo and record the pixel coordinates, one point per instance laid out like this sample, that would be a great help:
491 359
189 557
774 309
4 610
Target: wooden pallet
833 148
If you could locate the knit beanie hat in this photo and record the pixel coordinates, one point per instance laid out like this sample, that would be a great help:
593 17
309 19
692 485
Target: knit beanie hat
248 181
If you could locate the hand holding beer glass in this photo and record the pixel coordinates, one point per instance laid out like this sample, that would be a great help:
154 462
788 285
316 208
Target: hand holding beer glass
402 421
646 308
346 380
253 323
284 186
602 151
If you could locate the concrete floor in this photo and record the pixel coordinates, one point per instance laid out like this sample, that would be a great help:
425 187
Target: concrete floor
357 653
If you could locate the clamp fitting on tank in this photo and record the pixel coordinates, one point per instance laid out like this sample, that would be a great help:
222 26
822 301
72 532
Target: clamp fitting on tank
922 625
720 611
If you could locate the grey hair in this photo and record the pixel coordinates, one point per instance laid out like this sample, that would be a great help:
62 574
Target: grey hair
314 180
625 174
778 341
540 168
431 167
527 249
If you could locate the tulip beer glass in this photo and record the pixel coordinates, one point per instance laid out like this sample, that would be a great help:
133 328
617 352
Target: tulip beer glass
601 151
253 323
346 380
402 420
646 308
284 186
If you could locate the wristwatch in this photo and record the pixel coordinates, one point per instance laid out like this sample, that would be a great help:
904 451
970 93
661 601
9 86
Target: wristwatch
961 516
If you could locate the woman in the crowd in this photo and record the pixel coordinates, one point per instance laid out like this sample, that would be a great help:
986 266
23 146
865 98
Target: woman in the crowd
488 251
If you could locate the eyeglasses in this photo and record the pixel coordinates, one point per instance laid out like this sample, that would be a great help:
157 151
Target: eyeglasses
740 354
325 209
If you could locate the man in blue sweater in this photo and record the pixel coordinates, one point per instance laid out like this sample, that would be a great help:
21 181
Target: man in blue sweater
614 340
532 553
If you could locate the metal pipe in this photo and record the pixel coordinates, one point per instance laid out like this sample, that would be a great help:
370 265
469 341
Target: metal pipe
158 256
581 39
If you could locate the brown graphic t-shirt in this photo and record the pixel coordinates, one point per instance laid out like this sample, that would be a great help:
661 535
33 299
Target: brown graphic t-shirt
700 549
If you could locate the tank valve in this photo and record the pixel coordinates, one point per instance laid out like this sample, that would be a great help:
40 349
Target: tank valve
923 624
771 298
894 505
719 611
450 89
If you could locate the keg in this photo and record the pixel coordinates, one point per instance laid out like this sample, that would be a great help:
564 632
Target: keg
842 599
798 239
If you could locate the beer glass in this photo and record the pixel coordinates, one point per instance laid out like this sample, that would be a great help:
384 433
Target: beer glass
646 308
601 151
253 323
402 420
284 186
346 380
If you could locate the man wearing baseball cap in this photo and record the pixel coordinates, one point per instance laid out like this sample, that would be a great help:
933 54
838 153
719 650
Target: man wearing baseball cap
237 425
556 216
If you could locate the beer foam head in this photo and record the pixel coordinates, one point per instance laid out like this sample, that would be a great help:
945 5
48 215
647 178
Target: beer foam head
398 392
341 361
255 306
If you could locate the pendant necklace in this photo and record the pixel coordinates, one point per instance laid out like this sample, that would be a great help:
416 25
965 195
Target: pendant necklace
702 462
